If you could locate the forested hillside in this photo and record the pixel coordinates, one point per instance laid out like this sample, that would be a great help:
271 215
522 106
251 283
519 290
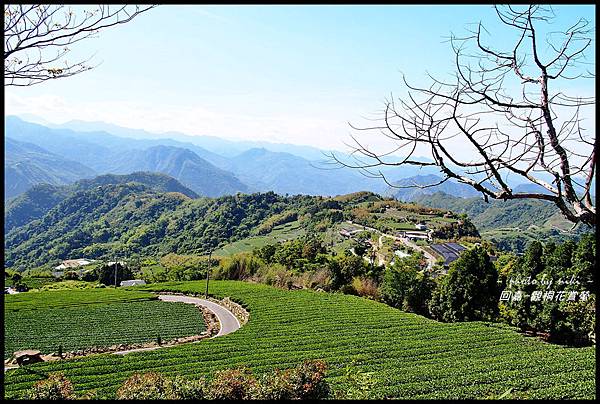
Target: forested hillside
37 201
130 218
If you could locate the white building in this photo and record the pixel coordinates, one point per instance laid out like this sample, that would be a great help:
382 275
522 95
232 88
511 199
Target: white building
133 282
79 262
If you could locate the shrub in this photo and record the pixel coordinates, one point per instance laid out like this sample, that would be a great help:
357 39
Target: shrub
181 388
239 267
273 386
232 384
307 380
55 387
319 279
146 386
155 386
355 384
365 287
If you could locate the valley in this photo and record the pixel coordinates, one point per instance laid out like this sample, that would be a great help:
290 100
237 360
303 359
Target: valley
359 279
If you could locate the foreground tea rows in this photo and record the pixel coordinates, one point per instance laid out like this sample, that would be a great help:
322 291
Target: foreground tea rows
52 321
409 356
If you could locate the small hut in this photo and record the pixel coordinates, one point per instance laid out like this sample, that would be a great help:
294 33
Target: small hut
28 356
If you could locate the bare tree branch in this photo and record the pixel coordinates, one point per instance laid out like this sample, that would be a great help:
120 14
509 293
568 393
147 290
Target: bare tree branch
37 38
530 134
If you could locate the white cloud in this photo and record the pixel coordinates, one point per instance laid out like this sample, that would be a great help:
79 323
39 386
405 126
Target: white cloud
189 119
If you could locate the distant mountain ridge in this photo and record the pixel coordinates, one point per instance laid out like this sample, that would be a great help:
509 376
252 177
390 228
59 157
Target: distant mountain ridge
105 153
26 165
285 173
182 164
223 147
253 170
448 187
274 167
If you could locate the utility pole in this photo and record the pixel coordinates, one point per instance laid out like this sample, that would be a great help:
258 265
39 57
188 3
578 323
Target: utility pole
208 273
115 271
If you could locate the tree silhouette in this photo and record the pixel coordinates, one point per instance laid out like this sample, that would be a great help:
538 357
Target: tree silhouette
37 38
508 110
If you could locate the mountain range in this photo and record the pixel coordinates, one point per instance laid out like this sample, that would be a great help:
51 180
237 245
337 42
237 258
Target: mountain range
448 187
205 172
210 166
26 164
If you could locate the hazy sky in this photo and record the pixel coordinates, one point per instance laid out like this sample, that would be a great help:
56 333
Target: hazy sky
293 74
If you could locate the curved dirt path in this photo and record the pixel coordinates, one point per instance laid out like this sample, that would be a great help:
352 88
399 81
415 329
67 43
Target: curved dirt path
229 323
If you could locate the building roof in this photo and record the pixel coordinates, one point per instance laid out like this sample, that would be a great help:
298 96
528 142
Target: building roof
74 263
450 251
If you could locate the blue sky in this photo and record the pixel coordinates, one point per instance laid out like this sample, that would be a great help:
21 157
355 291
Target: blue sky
293 74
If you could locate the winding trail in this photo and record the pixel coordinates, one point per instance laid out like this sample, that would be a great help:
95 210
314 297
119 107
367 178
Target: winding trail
229 323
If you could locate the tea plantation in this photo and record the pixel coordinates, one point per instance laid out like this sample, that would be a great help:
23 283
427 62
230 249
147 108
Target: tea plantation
409 356
77 319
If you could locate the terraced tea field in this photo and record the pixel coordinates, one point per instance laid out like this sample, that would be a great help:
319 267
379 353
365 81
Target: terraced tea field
79 319
409 355
280 233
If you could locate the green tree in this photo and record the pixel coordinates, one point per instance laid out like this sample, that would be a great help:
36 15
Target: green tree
106 273
405 287
469 292
344 267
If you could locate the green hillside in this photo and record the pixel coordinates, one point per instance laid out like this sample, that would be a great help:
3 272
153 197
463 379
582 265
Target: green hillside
38 200
510 224
134 219
409 356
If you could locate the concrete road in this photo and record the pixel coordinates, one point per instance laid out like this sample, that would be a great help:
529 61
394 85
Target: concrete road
229 322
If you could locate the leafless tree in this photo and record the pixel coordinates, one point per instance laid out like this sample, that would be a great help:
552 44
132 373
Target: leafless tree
37 38
508 109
